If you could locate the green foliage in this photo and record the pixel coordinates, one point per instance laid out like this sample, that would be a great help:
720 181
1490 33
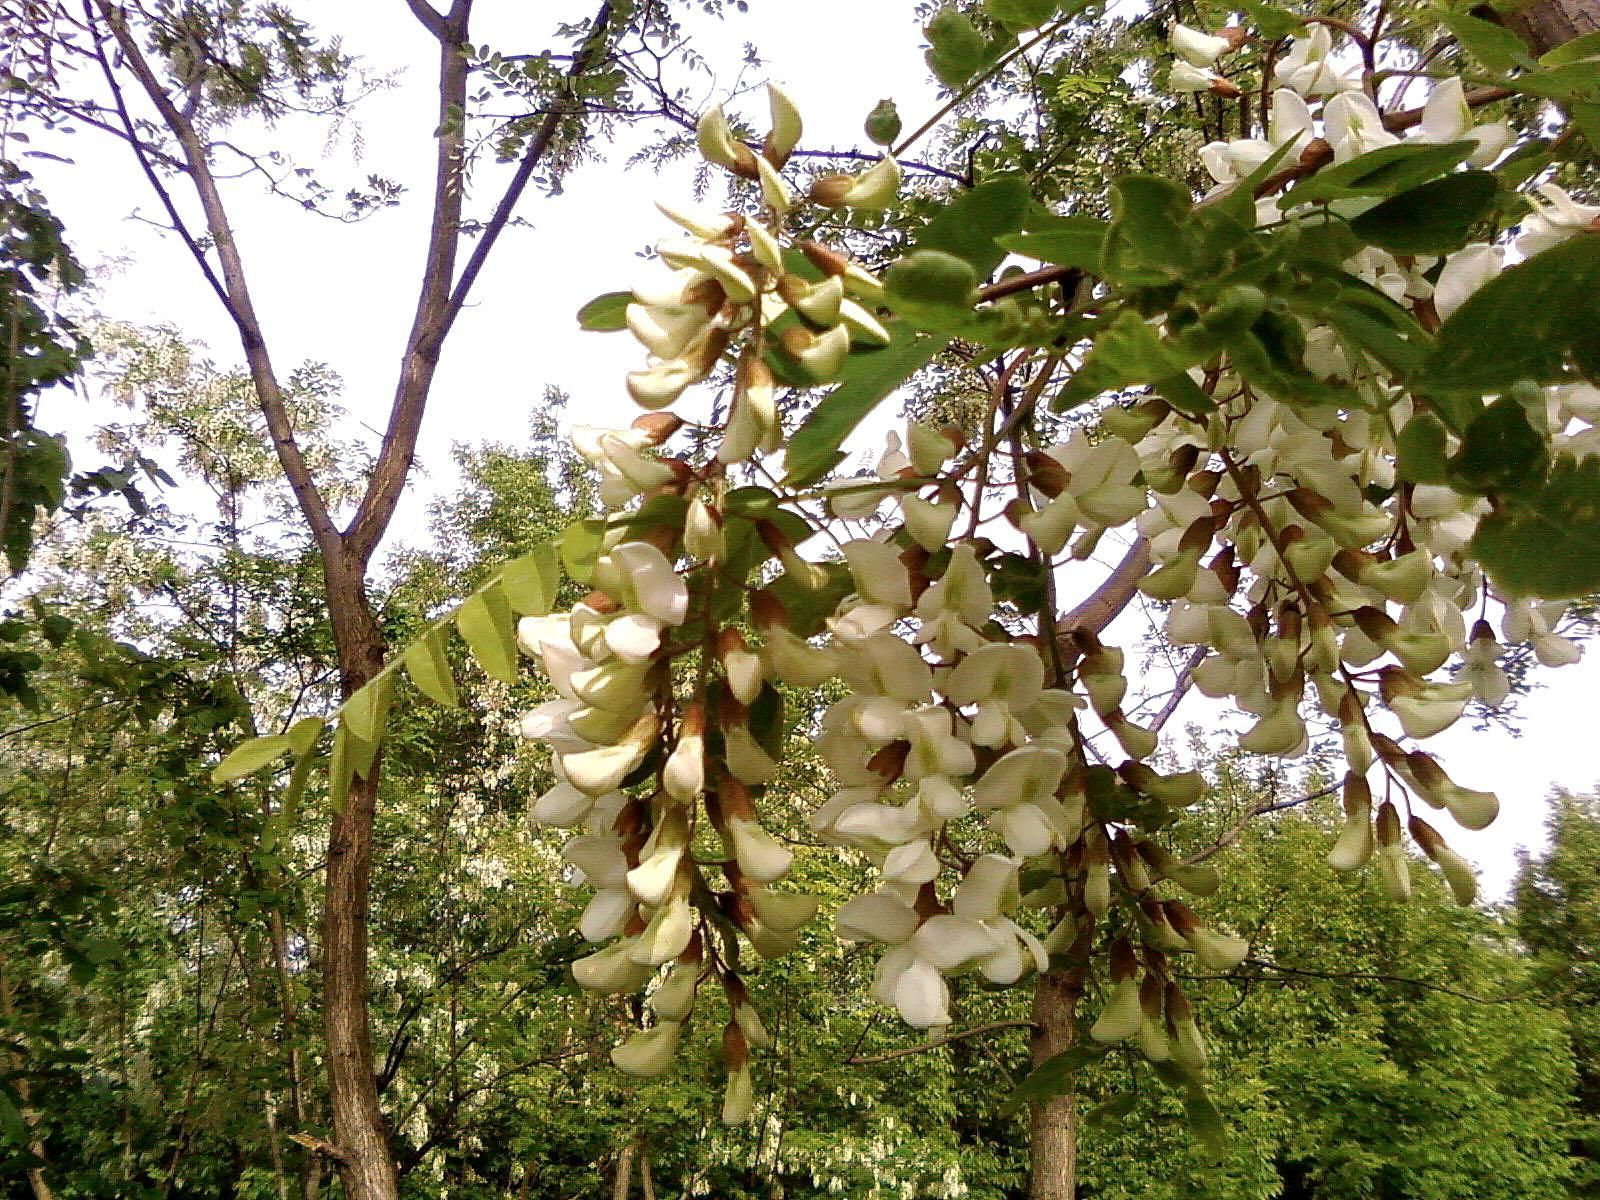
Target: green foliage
41 348
1545 540
1431 219
1523 324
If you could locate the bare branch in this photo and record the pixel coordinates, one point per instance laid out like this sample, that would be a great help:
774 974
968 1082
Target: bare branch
1231 835
1111 597
233 289
439 304
935 1043
432 20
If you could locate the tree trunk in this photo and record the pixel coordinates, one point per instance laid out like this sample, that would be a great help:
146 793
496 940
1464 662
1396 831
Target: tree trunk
1053 1123
1551 23
622 1185
366 1165
36 1180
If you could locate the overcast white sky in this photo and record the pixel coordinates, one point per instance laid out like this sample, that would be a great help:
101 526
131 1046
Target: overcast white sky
342 294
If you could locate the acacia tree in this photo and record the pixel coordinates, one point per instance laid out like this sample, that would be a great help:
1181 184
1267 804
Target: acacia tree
1314 406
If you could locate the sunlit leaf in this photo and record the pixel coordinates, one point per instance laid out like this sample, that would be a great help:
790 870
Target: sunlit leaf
486 625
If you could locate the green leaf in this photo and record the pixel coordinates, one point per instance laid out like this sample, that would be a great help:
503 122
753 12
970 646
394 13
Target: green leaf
1205 1122
1579 49
867 379
1432 219
250 756
1546 543
429 668
809 608
1136 352
1387 171
303 735
530 582
368 708
1500 451
1069 242
341 767
1586 116
605 314
1110 1112
933 290
969 226
1055 1076
486 625
956 47
1419 450
1523 323
1148 242
1019 15
1273 23
1495 46
580 544
1573 81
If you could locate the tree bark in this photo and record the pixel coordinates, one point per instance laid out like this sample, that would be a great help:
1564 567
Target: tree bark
1552 23
36 1180
1053 1123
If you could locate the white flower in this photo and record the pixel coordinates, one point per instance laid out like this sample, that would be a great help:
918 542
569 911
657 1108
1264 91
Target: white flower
1196 48
1555 221
1353 126
1185 78
650 1052
1447 118
1463 273
760 858
876 917
1306 69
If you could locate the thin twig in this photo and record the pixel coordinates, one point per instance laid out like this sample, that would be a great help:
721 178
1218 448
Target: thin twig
935 1043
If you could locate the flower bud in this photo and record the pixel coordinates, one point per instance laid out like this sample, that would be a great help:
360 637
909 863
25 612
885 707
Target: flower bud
786 128
877 187
1354 847
1122 1016
1393 869
702 531
1456 870
649 1052
717 144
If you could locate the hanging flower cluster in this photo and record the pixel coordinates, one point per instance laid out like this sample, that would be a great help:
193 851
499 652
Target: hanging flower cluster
983 759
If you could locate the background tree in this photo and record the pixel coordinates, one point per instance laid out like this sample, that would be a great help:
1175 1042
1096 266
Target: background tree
1557 915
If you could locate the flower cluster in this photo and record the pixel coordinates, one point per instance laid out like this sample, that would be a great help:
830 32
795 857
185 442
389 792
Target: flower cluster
983 758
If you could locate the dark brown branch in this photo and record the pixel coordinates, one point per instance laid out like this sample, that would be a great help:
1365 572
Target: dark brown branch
1376 977
1180 689
1112 596
1231 835
935 1043
439 303
179 226
432 20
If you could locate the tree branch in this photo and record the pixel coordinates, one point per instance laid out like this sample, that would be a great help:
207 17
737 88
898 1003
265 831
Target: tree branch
1231 835
432 20
935 1043
1109 599
438 303
234 290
